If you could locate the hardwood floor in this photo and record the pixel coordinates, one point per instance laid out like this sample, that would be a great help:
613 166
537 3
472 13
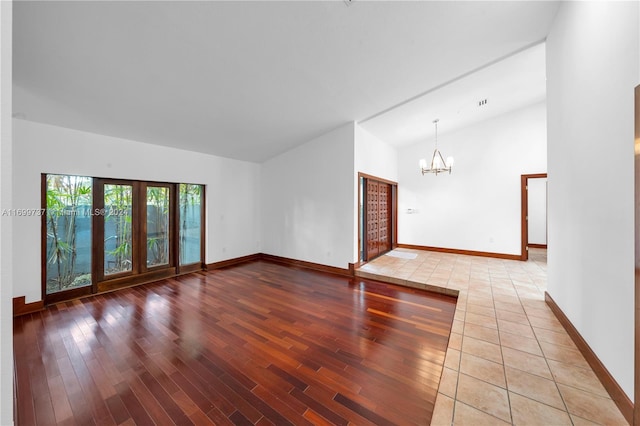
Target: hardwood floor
258 343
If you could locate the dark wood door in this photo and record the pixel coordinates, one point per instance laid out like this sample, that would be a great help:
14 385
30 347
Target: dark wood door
373 231
378 218
384 210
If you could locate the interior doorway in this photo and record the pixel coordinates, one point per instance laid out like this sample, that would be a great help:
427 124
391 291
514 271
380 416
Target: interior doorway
534 212
378 208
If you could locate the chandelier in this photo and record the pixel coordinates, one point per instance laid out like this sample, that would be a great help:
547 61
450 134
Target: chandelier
437 165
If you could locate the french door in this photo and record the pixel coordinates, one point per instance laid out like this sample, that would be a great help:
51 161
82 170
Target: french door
136 225
378 216
102 234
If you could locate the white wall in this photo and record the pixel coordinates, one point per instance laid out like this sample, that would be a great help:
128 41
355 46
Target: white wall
592 69
373 157
6 276
476 207
307 200
233 203
537 210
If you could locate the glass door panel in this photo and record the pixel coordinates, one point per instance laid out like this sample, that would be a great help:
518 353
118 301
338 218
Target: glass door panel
68 227
190 232
157 226
118 218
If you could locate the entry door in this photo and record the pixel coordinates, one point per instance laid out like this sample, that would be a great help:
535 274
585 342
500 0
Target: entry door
379 218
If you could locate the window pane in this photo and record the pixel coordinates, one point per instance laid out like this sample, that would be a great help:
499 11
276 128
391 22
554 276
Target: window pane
157 226
117 228
190 223
68 232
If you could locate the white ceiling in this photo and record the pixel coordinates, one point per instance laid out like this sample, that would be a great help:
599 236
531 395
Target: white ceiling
249 80
511 83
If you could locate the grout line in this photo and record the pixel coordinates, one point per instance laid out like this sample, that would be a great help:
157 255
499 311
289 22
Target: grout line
504 366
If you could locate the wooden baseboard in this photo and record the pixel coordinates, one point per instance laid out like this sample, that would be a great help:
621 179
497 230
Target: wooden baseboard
356 265
285 261
22 308
308 265
465 252
234 261
541 246
625 405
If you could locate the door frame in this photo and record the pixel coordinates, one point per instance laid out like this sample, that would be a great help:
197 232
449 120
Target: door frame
362 255
524 212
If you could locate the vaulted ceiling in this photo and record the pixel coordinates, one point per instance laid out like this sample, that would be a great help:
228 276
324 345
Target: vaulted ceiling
249 80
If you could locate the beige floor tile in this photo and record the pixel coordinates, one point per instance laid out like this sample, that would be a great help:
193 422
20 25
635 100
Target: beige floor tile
501 284
441 274
534 387
455 341
473 307
452 360
512 317
482 349
465 415
551 336
458 283
591 407
481 320
448 382
457 327
508 294
481 333
563 354
526 362
483 369
442 411
526 411
481 300
539 310
546 323
507 306
437 281
516 341
483 396
577 377
579 421
480 293
523 330
457 286
504 298
420 277
480 277
540 305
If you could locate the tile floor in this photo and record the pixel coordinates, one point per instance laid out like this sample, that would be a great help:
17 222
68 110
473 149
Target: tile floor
509 360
